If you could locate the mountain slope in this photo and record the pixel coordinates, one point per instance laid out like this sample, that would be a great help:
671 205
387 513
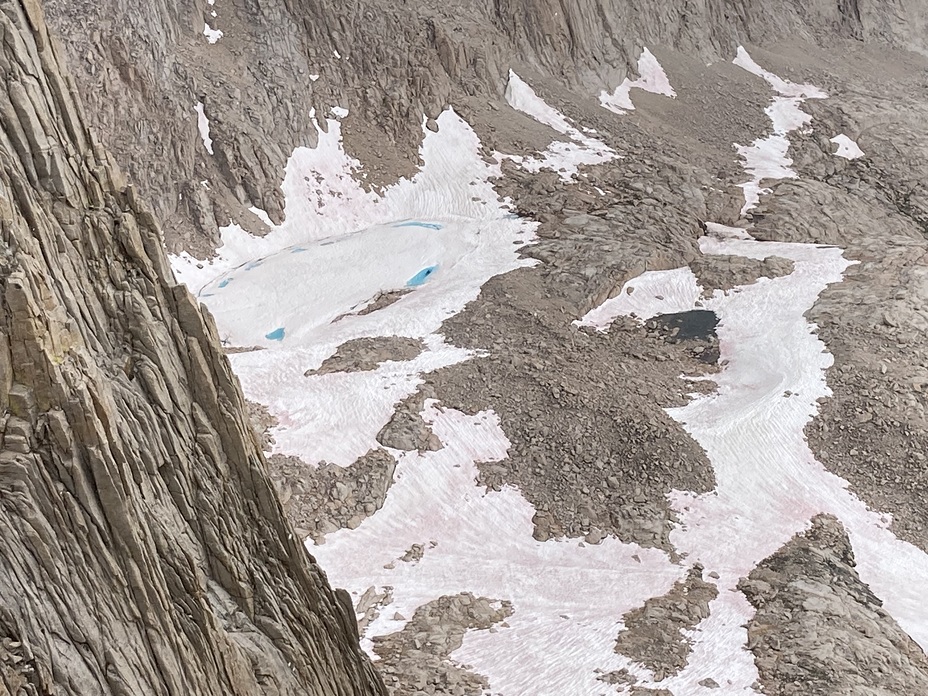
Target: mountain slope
143 70
144 549
586 382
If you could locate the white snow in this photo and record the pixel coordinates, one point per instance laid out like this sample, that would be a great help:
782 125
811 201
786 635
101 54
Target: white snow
313 77
847 148
646 296
523 98
353 248
772 428
769 484
262 215
317 265
312 284
441 235
556 640
203 126
779 85
339 111
766 158
564 157
652 78
337 249
212 35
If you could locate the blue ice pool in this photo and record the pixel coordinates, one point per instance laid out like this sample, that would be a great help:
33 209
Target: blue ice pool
421 277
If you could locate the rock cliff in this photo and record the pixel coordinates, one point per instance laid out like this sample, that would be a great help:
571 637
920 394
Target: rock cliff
143 70
144 549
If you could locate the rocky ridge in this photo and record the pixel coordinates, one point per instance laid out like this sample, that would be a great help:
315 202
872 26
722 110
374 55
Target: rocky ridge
325 498
416 660
145 550
819 630
363 354
654 634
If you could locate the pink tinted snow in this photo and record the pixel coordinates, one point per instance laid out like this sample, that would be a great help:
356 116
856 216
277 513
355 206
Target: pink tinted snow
481 541
652 78
336 417
561 156
769 484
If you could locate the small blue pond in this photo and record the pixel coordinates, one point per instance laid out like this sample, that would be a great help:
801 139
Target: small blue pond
421 277
275 335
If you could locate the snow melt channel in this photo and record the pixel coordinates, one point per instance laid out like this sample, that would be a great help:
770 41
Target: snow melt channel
766 158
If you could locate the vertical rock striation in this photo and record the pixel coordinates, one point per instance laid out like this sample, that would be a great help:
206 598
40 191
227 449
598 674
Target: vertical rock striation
144 66
143 548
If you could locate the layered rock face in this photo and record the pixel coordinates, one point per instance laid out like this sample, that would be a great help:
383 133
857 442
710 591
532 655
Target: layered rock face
144 550
820 630
145 68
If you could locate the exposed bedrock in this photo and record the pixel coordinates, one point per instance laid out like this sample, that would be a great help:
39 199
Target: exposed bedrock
655 634
144 548
819 630
143 68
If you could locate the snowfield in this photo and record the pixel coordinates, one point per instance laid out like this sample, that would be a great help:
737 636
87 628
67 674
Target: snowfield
561 156
769 485
481 542
297 293
652 78
650 294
